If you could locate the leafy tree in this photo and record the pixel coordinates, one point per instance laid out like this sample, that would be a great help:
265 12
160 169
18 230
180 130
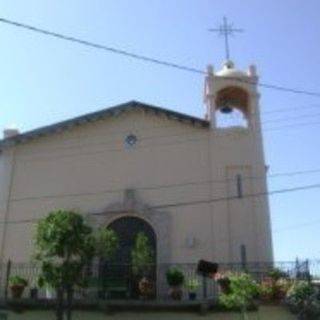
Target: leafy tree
142 255
65 245
106 243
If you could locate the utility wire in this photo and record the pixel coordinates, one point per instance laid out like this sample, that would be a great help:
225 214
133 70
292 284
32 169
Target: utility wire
137 130
298 108
181 204
147 58
100 46
33 221
37 156
290 118
175 185
253 195
290 126
297 226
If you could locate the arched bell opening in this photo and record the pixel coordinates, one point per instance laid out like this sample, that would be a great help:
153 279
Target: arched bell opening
232 108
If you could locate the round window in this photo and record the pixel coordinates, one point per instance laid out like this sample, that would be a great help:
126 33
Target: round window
130 140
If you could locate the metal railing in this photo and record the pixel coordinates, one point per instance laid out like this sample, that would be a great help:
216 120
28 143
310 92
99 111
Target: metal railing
112 281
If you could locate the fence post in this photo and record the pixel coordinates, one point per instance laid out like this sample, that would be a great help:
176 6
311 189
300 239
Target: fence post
308 271
8 271
204 286
243 256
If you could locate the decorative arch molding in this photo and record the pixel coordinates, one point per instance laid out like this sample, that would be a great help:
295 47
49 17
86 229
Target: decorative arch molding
160 221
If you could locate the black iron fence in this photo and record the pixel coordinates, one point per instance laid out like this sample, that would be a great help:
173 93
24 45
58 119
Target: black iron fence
114 281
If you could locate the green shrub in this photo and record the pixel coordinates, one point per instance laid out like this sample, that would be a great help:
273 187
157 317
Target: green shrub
243 290
299 291
311 308
175 277
303 299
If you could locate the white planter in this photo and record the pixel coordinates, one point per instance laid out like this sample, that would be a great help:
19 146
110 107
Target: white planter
50 293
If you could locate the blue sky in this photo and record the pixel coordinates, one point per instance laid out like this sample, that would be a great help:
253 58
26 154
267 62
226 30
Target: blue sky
44 80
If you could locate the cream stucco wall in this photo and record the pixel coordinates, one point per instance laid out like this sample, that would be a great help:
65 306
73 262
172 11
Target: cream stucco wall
87 168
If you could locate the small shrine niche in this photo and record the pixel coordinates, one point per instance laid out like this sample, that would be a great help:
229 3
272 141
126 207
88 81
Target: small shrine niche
232 108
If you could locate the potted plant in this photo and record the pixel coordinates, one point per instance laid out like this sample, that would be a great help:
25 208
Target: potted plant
175 279
17 286
146 288
192 286
274 287
142 258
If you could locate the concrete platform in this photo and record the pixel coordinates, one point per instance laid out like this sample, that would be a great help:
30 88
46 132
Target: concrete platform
109 306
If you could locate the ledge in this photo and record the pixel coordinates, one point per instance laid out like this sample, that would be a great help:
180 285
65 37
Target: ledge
201 306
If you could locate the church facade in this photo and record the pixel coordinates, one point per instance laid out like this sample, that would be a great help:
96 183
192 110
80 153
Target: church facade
196 189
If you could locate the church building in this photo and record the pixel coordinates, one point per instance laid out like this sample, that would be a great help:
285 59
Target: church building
195 185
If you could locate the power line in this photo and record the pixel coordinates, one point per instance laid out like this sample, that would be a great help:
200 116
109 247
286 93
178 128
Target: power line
293 173
175 185
290 126
102 151
179 204
297 226
147 58
286 119
253 195
298 108
136 130
120 149
274 192
101 47
291 118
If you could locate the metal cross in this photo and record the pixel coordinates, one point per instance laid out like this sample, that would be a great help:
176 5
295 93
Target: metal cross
226 30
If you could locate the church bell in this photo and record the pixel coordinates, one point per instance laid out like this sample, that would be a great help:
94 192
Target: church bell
226 109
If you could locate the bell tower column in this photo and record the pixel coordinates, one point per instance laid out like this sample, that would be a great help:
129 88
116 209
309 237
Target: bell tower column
209 96
240 225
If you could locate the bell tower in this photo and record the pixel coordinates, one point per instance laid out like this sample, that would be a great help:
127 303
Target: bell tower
231 93
236 151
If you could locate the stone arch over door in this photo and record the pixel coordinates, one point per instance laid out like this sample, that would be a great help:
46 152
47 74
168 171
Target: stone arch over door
132 206
160 221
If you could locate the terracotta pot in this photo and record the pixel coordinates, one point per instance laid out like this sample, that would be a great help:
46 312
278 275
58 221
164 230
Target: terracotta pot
17 291
175 293
146 288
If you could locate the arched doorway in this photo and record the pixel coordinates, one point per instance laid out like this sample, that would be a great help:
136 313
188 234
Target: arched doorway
127 228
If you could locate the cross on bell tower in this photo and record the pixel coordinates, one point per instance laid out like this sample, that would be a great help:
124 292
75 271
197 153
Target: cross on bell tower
226 30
